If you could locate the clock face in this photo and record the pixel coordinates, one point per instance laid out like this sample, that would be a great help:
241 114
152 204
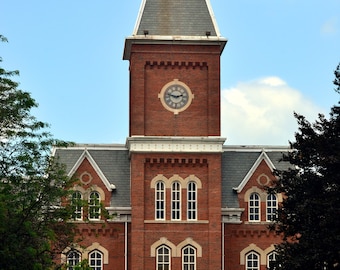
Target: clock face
176 96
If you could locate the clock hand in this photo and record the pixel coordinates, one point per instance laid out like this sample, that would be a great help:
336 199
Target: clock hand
175 96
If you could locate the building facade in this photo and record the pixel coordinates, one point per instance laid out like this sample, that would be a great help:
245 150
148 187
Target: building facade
177 196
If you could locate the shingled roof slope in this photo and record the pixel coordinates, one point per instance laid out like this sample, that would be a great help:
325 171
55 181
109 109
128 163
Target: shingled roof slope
176 18
112 161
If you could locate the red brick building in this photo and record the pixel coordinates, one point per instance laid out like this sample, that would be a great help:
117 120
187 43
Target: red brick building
179 197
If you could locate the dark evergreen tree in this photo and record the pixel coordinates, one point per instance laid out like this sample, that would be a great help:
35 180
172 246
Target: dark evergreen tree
309 217
31 184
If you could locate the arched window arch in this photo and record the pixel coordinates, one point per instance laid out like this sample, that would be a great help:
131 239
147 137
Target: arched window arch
77 205
189 258
271 207
163 255
96 260
160 200
94 206
192 201
176 201
252 261
254 204
271 257
73 259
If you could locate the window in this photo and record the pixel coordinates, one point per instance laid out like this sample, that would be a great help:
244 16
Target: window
254 207
94 206
176 201
96 260
73 259
189 258
271 207
160 201
252 261
271 257
192 201
163 258
77 205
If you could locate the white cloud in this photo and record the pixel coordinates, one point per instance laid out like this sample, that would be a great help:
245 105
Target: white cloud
329 27
261 112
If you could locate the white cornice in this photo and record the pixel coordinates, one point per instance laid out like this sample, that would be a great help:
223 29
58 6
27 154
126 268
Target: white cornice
175 144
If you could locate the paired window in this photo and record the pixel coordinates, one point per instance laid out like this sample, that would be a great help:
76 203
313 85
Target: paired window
77 205
252 261
94 206
271 257
163 258
93 198
96 260
189 258
73 259
176 201
254 207
271 207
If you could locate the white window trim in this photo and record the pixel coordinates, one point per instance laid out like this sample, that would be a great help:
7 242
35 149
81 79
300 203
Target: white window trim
157 193
99 210
178 200
271 207
194 255
259 207
190 201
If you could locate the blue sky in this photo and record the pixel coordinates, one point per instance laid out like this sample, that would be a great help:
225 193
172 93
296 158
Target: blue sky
280 58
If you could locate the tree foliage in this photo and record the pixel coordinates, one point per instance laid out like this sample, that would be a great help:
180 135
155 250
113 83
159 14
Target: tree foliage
309 217
31 184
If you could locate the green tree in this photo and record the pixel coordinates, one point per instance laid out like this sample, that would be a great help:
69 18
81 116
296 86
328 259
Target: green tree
32 184
309 217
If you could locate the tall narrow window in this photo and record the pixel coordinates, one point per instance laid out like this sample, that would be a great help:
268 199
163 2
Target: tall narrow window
77 206
96 260
252 261
192 201
271 258
176 201
160 201
94 206
271 207
189 258
73 259
163 258
254 207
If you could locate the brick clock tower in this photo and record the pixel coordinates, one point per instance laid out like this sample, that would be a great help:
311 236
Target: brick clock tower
174 138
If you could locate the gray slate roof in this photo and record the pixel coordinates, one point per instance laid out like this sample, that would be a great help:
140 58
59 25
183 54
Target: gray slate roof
114 163
176 18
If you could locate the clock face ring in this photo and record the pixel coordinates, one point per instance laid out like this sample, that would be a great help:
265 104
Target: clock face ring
176 96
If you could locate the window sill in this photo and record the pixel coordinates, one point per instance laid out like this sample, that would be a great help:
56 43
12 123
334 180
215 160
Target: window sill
177 221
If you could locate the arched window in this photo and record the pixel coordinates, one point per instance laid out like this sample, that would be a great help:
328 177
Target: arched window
176 201
94 206
254 207
160 201
192 201
271 257
271 207
73 259
163 258
77 205
188 258
252 261
96 260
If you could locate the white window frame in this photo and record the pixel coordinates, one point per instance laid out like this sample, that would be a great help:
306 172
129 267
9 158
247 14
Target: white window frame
176 191
271 257
250 261
96 263
74 260
189 258
163 260
160 192
76 202
94 206
271 207
254 207
192 201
